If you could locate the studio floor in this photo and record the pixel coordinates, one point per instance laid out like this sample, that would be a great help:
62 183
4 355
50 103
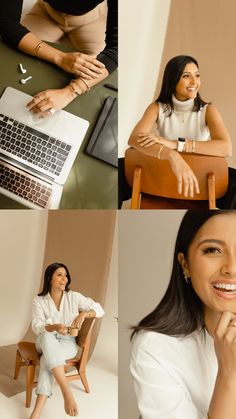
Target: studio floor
100 403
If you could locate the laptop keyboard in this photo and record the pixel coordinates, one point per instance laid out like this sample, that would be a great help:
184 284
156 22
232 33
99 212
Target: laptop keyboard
33 146
26 186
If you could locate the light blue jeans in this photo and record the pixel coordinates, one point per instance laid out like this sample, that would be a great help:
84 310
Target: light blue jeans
55 350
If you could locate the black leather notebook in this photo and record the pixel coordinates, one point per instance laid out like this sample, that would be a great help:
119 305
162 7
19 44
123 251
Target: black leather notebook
103 143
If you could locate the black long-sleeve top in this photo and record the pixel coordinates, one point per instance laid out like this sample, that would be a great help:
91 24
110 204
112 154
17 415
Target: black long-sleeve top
12 31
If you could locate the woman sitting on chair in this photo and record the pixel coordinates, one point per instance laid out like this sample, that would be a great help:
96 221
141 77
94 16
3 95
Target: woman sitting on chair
92 28
54 309
181 121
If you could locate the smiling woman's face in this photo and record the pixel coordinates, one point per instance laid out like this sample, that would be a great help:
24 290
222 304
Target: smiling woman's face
189 83
59 279
211 263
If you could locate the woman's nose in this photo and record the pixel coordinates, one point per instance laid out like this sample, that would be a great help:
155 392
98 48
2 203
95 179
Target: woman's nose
229 266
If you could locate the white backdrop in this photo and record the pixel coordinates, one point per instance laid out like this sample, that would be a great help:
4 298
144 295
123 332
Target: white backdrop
142 28
23 234
146 243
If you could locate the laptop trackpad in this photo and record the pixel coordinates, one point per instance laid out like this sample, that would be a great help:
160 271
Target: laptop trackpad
42 124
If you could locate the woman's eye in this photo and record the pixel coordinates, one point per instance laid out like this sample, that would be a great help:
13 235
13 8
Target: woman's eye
211 250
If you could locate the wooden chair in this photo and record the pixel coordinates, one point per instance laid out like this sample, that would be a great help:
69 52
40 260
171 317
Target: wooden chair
154 185
27 355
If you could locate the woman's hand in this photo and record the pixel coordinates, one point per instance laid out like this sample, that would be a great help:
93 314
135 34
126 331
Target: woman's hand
78 321
223 402
147 140
225 344
61 328
82 65
187 181
45 103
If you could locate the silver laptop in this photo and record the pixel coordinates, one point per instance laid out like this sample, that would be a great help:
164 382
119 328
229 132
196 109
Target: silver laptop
36 155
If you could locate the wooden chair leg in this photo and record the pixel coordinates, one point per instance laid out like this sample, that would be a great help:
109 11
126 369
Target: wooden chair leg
30 373
211 191
84 381
17 364
135 200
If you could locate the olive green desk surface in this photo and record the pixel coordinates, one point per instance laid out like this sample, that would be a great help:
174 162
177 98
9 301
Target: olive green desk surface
91 183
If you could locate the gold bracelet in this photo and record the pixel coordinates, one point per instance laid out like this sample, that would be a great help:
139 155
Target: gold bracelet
36 49
77 91
159 152
193 146
86 84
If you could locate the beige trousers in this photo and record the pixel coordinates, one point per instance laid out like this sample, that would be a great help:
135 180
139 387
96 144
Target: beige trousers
86 32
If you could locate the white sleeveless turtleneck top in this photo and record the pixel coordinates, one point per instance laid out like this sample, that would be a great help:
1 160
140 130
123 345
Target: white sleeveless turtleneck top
183 122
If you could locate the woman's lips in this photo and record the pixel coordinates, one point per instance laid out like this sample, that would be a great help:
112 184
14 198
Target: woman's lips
225 290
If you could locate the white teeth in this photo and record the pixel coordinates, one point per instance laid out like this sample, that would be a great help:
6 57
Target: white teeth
230 287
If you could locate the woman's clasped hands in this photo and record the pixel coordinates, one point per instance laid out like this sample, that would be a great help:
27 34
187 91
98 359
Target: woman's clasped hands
45 103
77 322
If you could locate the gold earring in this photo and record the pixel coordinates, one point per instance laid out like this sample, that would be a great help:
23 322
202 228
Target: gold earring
187 278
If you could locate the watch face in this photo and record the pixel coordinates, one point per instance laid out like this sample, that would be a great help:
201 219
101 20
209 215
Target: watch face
181 144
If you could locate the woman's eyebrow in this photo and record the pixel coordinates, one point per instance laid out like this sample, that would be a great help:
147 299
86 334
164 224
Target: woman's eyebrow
189 72
211 241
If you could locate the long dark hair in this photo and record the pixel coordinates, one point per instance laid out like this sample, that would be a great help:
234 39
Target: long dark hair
173 71
49 271
180 311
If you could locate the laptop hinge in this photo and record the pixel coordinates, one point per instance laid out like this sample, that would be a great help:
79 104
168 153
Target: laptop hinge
27 169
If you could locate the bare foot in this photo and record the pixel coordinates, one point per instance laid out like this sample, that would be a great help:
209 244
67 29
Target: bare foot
33 416
70 404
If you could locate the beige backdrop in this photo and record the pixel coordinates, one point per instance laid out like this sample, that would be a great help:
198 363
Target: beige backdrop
82 240
146 243
206 30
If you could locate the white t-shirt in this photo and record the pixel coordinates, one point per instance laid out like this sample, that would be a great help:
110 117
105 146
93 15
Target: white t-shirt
45 312
174 378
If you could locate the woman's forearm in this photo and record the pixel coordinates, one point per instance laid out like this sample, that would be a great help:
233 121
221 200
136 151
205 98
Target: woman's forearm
92 82
213 148
30 45
144 142
155 150
223 402
149 151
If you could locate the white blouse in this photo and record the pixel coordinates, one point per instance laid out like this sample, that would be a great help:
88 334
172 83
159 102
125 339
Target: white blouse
174 378
183 122
45 311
